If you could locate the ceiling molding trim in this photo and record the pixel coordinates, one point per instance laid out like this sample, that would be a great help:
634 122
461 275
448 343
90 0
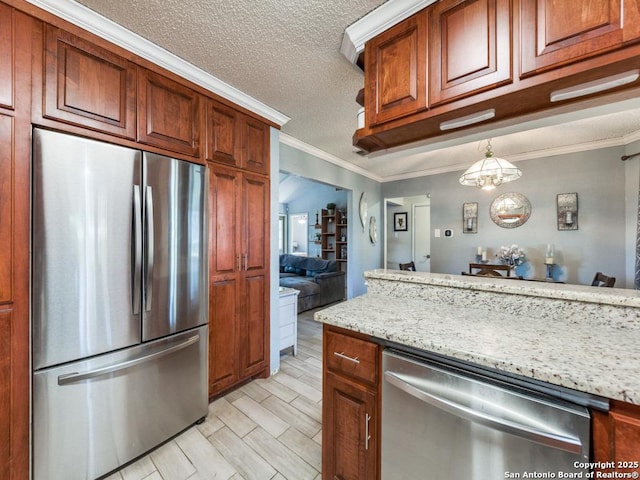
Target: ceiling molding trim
91 21
382 18
550 152
316 152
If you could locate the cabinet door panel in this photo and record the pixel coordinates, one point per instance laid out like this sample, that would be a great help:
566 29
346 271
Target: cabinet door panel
558 33
6 207
396 71
347 408
256 146
626 437
6 56
223 134
253 326
255 194
224 246
469 48
223 366
169 114
5 392
87 85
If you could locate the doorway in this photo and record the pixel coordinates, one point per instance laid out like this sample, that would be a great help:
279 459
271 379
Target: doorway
410 241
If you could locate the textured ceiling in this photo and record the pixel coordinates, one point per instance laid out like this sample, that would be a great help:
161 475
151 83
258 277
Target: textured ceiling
285 53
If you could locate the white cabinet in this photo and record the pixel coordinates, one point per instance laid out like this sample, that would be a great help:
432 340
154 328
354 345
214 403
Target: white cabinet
289 318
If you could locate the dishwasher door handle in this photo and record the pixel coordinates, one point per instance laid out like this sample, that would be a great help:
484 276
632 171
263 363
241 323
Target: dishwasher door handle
550 439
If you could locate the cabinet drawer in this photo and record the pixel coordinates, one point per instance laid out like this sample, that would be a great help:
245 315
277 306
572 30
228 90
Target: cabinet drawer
351 356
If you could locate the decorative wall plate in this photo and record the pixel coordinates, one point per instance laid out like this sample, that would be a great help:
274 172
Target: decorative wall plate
363 209
373 230
510 210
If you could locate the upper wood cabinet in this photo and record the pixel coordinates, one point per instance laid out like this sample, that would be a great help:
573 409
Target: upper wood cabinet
554 34
168 114
87 85
236 139
7 46
396 71
469 48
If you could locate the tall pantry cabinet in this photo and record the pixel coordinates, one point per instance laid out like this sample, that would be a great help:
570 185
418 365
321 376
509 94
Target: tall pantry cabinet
238 248
18 36
56 75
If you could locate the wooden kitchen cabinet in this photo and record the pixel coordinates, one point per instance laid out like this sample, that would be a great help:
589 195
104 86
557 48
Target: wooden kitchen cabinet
168 114
470 48
239 277
87 85
490 60
5 392
350 406
236 139
559 33
6 207
396 71
616 436
7 46
20 36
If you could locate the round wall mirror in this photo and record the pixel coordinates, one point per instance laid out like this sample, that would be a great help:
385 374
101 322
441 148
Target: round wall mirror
510 210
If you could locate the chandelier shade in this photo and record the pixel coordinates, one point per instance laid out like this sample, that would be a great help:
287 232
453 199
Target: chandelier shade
489 172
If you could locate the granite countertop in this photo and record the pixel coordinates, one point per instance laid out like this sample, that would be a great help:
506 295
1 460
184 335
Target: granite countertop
597 357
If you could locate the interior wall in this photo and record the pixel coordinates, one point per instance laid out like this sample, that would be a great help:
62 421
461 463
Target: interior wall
597 176
362 254
399 244
632 198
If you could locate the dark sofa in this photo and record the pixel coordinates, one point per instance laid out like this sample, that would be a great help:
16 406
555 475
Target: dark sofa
319 281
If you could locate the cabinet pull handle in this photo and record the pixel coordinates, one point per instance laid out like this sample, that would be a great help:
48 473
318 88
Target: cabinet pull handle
239 263
346 357
246 262
367 437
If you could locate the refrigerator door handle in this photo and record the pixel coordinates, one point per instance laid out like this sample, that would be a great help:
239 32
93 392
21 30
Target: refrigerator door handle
136 246
150 243
75 377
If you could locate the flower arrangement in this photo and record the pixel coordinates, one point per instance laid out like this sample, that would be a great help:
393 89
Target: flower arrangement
512 256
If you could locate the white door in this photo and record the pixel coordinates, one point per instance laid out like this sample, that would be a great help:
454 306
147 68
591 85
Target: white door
421 238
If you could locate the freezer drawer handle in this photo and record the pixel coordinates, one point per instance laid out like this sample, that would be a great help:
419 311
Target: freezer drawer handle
550 439
79 376
137 251
346 357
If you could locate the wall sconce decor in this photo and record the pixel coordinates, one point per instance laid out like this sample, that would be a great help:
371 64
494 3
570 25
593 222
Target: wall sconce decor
567 208
469 218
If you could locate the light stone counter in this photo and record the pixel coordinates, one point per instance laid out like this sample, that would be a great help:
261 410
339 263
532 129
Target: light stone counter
584 338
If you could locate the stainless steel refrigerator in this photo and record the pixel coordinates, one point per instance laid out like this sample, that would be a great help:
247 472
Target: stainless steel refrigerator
119 303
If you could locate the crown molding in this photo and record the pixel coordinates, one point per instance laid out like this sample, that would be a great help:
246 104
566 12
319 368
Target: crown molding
382 18
91 21
321 154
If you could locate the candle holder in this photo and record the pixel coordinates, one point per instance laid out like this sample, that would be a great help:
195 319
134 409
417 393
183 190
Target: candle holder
549 275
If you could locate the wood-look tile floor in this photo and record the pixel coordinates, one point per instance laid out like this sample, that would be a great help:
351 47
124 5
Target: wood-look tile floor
267 429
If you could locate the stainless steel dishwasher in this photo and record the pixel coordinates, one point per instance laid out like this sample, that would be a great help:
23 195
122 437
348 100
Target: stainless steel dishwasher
441 422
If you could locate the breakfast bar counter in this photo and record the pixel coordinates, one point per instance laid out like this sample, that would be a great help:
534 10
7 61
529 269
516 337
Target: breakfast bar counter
579 337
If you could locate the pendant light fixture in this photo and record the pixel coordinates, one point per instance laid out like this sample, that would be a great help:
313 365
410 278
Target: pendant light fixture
490 172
